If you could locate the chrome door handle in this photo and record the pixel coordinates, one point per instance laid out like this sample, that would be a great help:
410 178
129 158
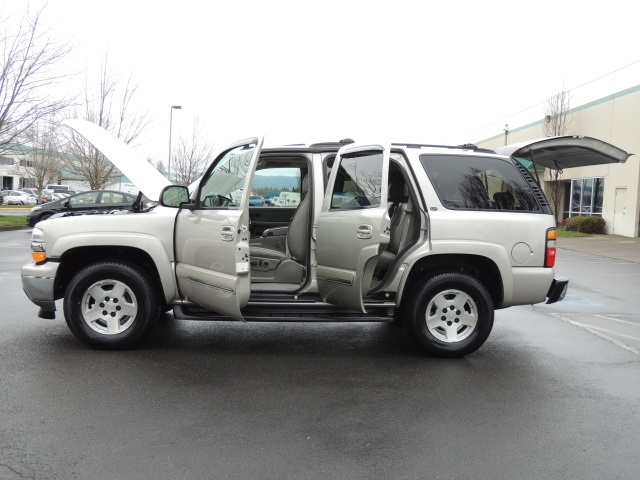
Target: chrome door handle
364 231
227 233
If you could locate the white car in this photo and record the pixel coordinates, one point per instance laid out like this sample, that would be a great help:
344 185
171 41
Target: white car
15 197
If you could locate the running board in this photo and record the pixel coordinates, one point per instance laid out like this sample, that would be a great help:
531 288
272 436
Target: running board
282 313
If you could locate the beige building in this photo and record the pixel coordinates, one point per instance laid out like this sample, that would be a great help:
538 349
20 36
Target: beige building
610 191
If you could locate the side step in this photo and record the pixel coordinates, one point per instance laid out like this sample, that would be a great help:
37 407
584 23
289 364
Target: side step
282 313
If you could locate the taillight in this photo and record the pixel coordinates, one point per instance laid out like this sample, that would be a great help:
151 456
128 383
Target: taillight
550 248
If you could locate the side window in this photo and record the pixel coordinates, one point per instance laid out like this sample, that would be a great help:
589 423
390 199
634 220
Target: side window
224 184
277 187
112 197
483 183
358 182
84 198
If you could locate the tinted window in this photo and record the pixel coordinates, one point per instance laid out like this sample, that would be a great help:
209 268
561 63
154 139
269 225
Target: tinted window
115 197
358 181
467 182
84 198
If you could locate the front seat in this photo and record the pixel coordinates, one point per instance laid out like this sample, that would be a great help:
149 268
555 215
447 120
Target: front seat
271 265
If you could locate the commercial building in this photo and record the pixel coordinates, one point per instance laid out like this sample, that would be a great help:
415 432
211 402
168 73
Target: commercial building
610 191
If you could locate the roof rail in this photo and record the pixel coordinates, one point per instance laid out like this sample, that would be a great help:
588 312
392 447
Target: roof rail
466 146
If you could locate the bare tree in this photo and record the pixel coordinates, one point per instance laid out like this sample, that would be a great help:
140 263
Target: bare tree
42 165
557 122
191 156
27 70
109 106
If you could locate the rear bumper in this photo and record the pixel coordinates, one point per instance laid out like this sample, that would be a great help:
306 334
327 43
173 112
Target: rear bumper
558 290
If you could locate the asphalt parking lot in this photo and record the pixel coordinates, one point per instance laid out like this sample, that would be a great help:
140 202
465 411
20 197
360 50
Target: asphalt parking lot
554 393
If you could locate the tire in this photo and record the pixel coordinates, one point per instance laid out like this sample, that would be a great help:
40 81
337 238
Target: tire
111 305
450 315
44 216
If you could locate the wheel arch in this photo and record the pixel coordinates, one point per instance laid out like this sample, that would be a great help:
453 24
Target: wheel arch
485 270
75 259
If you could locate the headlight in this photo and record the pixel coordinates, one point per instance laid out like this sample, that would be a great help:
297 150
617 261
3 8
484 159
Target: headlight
38 249
39 207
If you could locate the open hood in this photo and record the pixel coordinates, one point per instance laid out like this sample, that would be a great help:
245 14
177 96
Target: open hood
566 152
132 164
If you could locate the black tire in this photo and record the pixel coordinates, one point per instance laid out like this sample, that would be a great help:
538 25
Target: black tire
111 305
450 315
44 216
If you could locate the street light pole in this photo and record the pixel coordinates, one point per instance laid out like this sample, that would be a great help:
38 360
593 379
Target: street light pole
173 107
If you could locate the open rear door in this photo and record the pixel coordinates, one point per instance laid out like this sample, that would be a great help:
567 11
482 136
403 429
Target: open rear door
212 234
559 153
353 228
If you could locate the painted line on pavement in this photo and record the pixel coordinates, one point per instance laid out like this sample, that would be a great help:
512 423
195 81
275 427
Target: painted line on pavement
601 335
607 331
606 317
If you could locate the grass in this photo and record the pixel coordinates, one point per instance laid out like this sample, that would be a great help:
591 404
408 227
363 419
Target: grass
12 221
562 233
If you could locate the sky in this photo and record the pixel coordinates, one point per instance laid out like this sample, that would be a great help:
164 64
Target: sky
306 71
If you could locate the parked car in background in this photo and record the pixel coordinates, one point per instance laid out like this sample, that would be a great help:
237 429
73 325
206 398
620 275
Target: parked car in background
31 191
94 201
55 196
16 197
53 186
1 198
256 201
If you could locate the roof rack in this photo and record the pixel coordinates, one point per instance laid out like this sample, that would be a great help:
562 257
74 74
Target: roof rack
466 146
338 144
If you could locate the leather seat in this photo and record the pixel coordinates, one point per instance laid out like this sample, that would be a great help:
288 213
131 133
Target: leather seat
400 212
272 265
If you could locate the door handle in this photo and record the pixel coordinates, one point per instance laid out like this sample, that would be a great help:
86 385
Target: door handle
364 231
227 233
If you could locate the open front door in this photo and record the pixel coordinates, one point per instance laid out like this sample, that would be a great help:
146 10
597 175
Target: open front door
353 228
212 235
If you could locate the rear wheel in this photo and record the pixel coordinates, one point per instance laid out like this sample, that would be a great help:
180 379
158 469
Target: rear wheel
450 315
110 305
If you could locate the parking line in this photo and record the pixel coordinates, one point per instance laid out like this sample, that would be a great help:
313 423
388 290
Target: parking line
607 331
601 335
618 320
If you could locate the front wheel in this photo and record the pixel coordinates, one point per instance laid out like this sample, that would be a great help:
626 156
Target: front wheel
450 315
110 305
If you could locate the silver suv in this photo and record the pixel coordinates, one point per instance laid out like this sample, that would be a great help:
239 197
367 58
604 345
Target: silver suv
433 237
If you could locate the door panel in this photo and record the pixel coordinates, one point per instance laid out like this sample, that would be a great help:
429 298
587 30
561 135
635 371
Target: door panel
212 236
353 228
263 218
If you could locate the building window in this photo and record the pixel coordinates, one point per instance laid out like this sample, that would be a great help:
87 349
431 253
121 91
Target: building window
6 161
586 196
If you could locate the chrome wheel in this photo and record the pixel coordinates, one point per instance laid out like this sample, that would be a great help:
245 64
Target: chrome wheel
109 307
451 316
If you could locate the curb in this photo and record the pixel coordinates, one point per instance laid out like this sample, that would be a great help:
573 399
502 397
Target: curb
7 229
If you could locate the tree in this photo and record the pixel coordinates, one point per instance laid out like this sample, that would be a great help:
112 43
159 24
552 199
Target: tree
28 64
109 106
42 165
190 156
557 122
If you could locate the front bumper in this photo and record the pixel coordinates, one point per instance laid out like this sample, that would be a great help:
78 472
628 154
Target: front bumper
558 290
38 282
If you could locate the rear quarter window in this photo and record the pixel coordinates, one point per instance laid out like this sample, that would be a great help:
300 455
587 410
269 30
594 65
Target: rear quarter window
479 183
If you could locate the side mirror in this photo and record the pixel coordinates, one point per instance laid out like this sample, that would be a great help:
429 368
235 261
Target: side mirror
174 196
